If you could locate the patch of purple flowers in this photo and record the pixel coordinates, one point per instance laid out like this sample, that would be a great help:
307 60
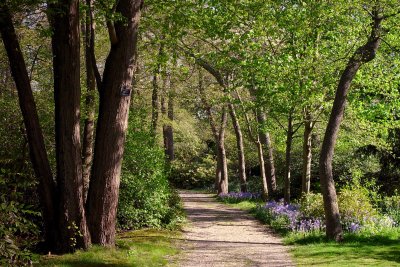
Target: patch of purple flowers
354 227
279 209
296 221
309 225
239 196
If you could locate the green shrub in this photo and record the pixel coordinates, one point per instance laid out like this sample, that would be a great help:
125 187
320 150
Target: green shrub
145 199
198 173
391 207
354 204
311 205
18 230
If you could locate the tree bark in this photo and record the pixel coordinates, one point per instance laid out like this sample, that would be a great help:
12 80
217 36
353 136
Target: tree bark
66 68
240 148
169 131
155 93
262 169
221 154
265 140
307 153
88 132
288 158
256 140
37 149
167 108
221 170
112 125
362 55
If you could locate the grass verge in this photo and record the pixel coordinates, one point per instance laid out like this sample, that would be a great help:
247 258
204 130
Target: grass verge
380 249
362 249
142 248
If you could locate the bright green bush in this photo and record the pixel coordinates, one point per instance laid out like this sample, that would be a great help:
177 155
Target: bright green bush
145 199
199 173
311 205
354 204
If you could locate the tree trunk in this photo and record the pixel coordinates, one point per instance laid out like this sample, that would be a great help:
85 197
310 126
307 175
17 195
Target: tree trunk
240 148
222 163
66 67
307 154
112 125
155 93
265 140
288 158
37 149
221 170
262 169
222 166
362 55
88 132
167 108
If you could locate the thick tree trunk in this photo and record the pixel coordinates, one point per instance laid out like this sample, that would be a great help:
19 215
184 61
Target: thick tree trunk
262 169
37 149
362 55
88 132
112 125
265 140
66 67
288 158
307 154
240 148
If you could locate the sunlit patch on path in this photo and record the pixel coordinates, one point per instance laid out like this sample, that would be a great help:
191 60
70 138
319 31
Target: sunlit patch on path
218 235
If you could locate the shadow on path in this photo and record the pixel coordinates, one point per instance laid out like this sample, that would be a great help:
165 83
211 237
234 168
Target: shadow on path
218 235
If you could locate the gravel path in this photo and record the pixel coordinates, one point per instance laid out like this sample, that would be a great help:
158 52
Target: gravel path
218 235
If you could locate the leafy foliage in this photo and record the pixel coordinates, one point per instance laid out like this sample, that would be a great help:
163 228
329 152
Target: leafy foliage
146 199
18 220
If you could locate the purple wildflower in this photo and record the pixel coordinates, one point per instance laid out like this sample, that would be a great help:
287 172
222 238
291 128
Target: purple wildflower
239 196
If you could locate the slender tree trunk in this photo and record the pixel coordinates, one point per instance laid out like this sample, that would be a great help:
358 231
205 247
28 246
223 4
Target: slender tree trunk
37 149
169 131
112 125
88 132
307 153
265 140
240 148
255 138
362 55
223 183
221 171
167 108
155 94
288 158
262 169
66 67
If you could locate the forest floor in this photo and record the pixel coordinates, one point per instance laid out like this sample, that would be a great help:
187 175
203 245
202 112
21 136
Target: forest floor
219 235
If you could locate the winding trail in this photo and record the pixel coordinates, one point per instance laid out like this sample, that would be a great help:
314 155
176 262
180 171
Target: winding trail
218 235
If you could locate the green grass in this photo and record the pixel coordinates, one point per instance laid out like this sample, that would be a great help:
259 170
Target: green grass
381 249
246 205
137 248
365 249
